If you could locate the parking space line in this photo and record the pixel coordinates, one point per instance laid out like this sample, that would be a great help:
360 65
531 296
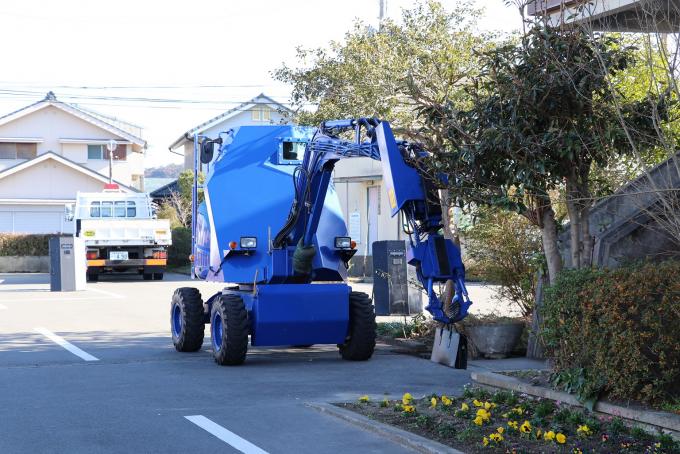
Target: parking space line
226 436
104 292
66 344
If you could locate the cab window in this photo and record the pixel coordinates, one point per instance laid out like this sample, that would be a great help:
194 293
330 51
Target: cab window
107 209
119 209
131 209
95 209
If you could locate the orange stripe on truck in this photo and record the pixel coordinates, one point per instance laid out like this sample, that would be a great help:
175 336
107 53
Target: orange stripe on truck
96 262
155 262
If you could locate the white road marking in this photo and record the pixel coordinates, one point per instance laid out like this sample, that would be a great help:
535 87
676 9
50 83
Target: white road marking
66 344
104 292
226 436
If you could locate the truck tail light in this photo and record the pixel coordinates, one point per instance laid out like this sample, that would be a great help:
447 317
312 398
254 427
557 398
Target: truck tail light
160 254
92 254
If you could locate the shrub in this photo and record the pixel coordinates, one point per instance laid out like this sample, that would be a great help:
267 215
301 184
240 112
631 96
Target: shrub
179 252
615 331
503 248
23 245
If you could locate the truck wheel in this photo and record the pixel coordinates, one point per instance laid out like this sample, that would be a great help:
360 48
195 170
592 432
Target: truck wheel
229 330
157 276
92 277
147 276
360 341
186 319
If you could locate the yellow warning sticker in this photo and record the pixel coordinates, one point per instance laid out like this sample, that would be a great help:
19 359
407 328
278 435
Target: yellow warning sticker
393 198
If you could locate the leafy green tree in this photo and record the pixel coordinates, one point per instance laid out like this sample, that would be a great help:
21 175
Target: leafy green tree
543 113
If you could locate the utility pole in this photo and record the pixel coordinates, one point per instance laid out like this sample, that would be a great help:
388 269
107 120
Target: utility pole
383 11
111 146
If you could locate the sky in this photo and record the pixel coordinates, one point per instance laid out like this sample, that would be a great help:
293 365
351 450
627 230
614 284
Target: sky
218 52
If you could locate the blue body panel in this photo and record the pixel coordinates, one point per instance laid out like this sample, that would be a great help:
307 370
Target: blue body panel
297 314
248 194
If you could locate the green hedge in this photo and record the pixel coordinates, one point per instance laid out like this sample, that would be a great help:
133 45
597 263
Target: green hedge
615 332
23 245
179 252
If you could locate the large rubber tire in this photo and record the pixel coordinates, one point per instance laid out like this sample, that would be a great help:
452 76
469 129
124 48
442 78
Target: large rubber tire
92 277
360 342
229 330
186 319
157 276
147 276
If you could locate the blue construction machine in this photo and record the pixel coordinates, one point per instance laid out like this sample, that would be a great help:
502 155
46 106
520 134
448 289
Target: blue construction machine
272 227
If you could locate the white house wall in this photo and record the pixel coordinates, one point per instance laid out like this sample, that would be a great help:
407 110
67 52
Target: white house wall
51 124
47 180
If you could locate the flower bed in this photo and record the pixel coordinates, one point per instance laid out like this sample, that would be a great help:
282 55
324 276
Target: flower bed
482 421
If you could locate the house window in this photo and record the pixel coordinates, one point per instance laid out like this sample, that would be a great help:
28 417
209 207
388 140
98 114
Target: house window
261 113
11 150
101 152
95 152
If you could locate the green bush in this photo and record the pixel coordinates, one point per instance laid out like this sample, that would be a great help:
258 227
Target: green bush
23 245
179 252
503 248
615 332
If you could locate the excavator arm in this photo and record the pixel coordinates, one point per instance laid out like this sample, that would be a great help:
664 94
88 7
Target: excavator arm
436 258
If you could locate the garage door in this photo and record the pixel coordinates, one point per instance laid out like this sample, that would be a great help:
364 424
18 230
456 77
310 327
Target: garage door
30 221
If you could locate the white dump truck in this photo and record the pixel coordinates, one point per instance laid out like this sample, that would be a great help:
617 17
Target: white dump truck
121 233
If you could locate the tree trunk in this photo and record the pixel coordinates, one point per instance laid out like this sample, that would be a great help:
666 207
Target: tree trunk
549 238
535 348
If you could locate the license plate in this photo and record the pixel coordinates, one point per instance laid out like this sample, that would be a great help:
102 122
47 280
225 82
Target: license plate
118 255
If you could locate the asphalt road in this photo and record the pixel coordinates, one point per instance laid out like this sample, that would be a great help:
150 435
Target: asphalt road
118 385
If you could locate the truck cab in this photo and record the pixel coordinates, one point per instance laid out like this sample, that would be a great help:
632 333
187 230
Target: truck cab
121 234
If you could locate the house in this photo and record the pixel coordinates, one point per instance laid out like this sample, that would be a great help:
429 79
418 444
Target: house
660 16
260 110
49 150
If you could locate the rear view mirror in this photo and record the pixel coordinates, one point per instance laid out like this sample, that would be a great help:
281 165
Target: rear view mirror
207 150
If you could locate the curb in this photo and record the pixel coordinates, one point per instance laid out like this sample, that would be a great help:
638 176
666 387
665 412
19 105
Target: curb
668 422
398 436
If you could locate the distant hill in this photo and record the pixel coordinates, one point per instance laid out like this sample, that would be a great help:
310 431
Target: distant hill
166 171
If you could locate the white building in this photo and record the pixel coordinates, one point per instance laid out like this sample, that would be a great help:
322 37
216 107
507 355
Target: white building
49 150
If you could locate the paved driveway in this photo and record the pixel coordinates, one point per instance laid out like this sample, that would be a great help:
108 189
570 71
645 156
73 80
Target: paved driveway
95 371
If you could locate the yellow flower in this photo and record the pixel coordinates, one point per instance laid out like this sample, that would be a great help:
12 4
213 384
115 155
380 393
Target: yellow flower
550 435
518 410
409 408
487 406
407 398
446 401
464 407
500 430
485 415
477 403
433 402
526 427
560 438
512 424
364 399
538 434
478 420
505 415
584 429
485 441
496 437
